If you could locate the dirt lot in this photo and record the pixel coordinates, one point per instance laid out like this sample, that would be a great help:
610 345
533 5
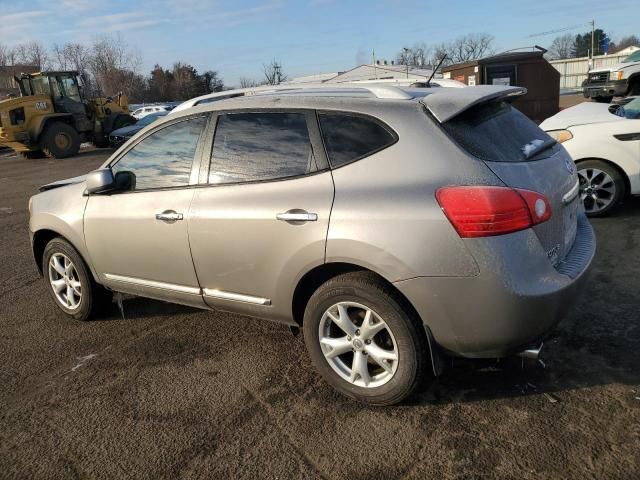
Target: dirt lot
171 392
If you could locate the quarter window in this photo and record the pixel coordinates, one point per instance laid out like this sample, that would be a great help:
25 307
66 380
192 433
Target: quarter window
260 146
349 137
163 159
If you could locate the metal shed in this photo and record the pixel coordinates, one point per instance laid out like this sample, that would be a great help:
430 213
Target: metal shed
522 69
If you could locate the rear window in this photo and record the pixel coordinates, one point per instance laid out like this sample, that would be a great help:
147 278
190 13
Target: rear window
498 132
348 137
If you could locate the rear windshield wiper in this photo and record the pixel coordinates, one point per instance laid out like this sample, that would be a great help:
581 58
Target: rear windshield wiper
535 147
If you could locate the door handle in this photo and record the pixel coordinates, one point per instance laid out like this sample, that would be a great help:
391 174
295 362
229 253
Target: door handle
297 217
169 216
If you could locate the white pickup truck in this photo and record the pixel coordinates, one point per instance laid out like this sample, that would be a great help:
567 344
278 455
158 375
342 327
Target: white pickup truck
602 84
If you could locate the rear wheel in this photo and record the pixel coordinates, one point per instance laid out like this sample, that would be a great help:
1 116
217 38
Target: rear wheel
70 283
60 140
363 340
601 187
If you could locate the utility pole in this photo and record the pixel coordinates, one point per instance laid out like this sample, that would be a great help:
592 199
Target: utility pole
406 59
375 69
593 33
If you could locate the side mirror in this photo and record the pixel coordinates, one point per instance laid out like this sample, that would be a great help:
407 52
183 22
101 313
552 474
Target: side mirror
125 181
100 181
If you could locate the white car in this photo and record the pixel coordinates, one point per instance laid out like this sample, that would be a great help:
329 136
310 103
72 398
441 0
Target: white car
604 142
144 111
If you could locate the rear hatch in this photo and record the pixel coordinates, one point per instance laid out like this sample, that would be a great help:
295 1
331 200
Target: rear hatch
523 156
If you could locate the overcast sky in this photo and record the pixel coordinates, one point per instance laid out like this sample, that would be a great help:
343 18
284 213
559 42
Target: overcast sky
306 36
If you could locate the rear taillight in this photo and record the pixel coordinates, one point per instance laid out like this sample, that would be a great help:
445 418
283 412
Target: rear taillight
487 211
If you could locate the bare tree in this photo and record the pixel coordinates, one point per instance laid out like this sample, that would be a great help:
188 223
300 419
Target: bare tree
440 51
404 57
248 83
5 53
72 56
624 42
462 49
470 47
562 46
109 60
416 56
273 74
31 53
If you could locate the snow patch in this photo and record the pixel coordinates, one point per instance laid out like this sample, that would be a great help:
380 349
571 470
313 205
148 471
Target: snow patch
530 147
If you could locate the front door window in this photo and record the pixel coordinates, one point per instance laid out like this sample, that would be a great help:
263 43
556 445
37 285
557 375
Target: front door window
163 159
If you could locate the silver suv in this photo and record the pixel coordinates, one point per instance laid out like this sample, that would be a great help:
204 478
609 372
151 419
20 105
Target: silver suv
393 225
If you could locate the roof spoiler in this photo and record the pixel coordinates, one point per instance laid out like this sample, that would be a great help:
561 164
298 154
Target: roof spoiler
444 106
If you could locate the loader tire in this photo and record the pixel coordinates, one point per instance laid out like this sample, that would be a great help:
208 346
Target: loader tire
60 140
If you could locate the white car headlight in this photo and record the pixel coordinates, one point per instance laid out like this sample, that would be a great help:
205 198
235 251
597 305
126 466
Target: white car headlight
560 136
617 75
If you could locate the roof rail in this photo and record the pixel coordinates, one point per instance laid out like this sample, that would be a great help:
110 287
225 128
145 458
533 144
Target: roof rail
343 89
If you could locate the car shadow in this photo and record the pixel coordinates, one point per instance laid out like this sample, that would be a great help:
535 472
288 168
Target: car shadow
138 308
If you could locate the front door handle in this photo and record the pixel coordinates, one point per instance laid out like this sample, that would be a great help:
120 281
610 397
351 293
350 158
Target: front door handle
297 217
169 216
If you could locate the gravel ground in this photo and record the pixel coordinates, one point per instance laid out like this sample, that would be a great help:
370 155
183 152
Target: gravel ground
172 392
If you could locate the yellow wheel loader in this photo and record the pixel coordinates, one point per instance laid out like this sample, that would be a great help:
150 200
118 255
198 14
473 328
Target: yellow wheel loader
52 117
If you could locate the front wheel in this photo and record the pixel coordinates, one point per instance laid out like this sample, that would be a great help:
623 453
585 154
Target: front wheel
60 140
602 187
364 340
70 283
603 99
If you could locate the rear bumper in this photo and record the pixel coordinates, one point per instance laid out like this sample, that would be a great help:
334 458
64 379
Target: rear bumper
517 299
612 88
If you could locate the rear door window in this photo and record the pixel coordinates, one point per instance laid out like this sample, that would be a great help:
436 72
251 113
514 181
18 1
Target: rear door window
349 137
497 132
251 147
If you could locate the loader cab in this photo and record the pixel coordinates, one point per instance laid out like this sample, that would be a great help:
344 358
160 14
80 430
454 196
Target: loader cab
63 88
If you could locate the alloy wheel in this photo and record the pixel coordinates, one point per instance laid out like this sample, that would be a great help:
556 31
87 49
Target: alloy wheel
597 189
358 344
65 281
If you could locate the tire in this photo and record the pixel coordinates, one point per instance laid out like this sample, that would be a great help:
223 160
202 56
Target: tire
603 180
86 297
31 155
603 99
60 140
403 336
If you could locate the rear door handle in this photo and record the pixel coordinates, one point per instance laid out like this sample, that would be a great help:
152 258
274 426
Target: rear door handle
169 216
297 217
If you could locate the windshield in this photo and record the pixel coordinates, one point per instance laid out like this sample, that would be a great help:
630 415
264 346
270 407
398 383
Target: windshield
148 119
634 57
631 110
